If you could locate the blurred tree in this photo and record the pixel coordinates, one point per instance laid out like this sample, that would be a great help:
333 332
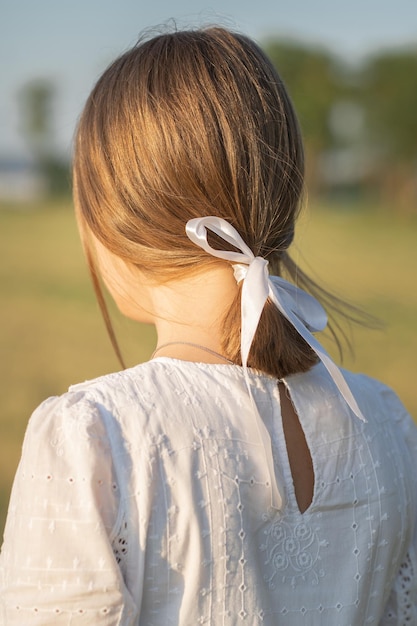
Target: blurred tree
390 100
37 103
315 83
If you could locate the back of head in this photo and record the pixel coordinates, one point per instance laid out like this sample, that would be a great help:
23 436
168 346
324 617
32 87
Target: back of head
192 124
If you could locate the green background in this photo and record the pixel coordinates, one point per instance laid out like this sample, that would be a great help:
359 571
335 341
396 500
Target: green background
52 334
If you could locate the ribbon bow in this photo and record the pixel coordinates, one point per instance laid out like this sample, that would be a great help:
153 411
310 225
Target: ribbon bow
303 311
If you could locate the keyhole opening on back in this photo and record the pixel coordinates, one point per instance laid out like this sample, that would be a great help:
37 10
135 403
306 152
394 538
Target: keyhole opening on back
298 452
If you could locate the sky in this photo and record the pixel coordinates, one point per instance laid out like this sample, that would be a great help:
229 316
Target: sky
70 42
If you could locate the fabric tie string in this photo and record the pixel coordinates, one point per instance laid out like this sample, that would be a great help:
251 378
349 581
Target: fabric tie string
301 309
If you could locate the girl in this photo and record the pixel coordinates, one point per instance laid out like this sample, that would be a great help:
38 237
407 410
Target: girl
238 476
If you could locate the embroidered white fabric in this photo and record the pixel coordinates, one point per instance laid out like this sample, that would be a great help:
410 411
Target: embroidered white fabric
141 499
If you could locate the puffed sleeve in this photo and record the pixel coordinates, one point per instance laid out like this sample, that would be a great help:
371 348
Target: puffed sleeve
57 565
402 604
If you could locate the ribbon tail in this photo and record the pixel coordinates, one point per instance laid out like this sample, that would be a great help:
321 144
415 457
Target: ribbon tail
254 295
324 357
275 482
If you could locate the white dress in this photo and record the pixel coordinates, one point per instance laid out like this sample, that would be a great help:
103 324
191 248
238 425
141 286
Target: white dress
142 499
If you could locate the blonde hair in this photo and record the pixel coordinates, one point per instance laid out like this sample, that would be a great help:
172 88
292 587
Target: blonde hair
191 124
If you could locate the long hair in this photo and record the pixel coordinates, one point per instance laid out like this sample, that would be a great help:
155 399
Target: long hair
190 124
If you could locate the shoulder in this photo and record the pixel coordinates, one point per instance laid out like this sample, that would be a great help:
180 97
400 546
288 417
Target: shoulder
126 382
87 409
158 384
385 411
375 396
87 414
118 389
66 425
318 395
105 408
372 395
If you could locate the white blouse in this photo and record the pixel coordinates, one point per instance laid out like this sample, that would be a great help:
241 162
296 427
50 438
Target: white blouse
142 499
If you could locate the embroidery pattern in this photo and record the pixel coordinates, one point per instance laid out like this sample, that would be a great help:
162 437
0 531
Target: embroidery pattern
292 553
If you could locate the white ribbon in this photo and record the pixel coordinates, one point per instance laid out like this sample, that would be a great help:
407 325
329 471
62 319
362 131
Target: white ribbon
303 311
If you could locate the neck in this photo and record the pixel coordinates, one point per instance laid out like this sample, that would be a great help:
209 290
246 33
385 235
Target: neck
192 311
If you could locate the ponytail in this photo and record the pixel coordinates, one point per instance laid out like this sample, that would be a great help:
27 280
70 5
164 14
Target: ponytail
277 348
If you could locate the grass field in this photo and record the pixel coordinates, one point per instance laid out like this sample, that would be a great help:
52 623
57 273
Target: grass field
52 334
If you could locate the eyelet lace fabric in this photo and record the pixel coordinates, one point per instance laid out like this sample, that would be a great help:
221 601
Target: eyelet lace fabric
141 498
402 606
120 546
